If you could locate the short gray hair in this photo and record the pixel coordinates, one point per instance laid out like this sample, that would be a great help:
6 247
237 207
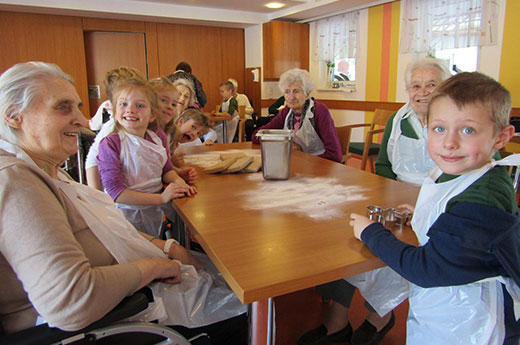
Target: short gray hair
189 85
19 87
296 75
426 62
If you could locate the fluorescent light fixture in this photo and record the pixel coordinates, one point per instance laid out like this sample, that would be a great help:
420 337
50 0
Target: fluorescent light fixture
274 5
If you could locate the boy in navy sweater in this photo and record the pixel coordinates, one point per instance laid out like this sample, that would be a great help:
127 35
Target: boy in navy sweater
465 275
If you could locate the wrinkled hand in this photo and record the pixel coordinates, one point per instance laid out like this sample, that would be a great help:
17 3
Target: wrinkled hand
188 174
359 223
180 253
170 273
174 190
208 142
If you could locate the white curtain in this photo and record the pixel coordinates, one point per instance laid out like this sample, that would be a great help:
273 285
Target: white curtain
429 25
336 37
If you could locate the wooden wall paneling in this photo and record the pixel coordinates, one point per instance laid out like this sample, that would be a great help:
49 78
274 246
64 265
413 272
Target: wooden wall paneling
350 105
286 46
108 50
50 38
102 24
233 55
253 89
152 53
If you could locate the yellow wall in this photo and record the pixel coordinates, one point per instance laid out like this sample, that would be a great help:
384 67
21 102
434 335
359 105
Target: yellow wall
509 71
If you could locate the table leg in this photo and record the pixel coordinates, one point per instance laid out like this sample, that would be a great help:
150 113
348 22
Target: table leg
270 323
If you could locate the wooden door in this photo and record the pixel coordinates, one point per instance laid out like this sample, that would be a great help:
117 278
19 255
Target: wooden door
108 50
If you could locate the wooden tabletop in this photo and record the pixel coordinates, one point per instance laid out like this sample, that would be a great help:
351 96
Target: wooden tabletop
266 253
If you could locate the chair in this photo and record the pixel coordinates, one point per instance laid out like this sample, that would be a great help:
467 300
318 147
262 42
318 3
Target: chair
110 325
367 150
342 135
242 123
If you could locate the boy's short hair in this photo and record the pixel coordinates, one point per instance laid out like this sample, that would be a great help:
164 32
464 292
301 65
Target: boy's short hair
476 88
228 85
196 115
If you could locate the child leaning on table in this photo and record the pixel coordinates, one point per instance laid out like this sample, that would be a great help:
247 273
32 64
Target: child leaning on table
229 106
465 273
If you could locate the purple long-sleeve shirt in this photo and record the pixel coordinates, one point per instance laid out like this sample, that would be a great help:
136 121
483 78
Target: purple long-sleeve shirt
323 125
109 162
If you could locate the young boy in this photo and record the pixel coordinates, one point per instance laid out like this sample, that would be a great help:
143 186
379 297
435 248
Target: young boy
465 274
229 106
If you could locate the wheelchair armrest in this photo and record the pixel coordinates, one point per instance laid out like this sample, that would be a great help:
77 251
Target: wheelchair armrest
43 334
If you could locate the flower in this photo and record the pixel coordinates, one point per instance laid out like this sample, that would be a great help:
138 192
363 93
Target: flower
330 64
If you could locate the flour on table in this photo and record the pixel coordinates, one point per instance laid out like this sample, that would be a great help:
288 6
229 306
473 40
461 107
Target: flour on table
318 198
210 158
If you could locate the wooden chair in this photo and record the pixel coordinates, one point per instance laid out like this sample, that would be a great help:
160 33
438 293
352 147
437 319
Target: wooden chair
342 135
367 150
242 123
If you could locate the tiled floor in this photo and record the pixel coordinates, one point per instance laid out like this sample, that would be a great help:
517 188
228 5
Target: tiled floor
298 312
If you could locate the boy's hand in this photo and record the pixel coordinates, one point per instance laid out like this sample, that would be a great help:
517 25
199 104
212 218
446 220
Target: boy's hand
188 174
174 190
359 223
208 142
408 207
296 146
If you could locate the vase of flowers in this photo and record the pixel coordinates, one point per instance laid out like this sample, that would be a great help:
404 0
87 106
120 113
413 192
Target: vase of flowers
330 70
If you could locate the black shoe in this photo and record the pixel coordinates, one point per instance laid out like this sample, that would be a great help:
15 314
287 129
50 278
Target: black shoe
367 334
318 336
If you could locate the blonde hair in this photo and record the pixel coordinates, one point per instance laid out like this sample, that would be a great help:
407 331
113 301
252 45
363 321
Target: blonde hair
130 85
163 84
118 75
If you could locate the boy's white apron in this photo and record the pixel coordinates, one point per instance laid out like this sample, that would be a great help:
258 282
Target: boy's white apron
306 136
409 157
231 125
465 314
200 299
142 164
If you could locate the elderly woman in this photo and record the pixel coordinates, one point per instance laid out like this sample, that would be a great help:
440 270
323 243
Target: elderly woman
67 254
403 156
315 132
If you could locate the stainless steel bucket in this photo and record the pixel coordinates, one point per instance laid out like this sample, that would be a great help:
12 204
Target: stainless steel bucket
276 145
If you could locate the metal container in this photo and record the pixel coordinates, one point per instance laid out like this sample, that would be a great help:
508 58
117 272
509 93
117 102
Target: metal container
276 145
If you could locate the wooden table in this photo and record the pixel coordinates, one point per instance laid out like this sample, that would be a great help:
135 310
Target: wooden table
263 254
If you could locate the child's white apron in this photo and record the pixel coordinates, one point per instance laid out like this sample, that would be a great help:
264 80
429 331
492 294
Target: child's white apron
231 125
409 157
142 164
465 314
306 136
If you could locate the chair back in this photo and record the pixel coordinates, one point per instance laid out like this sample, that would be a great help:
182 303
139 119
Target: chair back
343 141
242 123
242 111
381 117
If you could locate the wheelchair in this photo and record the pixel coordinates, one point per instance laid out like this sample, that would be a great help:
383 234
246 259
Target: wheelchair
111 329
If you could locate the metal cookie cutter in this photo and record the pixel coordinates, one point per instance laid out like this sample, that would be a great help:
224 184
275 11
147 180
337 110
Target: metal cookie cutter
391 218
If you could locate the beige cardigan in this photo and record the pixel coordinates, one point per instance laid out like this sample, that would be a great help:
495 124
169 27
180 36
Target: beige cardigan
51 264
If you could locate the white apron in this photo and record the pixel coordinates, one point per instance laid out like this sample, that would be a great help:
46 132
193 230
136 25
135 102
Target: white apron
409 157
306 135
142 164
465 314
201 298
231 125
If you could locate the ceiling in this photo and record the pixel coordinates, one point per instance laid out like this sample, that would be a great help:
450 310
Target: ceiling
226 13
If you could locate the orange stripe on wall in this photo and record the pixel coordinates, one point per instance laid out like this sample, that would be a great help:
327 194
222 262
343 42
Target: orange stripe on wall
385 51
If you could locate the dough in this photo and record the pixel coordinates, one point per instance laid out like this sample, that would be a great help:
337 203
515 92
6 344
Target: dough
239 164
254 166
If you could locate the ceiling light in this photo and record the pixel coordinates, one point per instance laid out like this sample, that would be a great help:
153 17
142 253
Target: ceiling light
274 5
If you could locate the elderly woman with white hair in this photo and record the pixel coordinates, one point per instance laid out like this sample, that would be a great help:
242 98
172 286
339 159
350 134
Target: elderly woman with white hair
315 132
403 154
67 254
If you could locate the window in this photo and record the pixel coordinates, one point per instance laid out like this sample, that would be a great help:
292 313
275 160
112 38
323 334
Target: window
335 49
459 59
